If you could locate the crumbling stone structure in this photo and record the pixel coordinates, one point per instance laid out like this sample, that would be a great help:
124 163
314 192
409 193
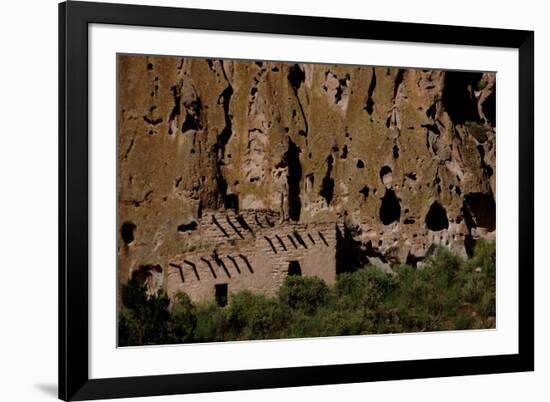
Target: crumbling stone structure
252 251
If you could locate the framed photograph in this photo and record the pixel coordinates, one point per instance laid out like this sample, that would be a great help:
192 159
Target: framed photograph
259 200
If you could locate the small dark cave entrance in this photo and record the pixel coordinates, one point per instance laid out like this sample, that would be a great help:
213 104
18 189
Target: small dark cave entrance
127 232
186 227
458 96
193 116
294 268
480 210
390 209
292 158
436 218
350 253
327 189
327 185
489 107
384 171
296 76
221 294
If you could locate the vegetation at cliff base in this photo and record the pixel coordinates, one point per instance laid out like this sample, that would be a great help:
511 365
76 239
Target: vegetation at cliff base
445 292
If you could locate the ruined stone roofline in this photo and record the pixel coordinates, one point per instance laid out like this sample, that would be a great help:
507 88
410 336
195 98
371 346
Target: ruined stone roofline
295 233
230 261
228 225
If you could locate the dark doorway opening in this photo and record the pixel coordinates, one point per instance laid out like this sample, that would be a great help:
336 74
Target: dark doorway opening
294 268
232 202
221 294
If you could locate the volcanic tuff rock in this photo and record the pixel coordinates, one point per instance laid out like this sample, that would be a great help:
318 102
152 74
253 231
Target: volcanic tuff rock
402 159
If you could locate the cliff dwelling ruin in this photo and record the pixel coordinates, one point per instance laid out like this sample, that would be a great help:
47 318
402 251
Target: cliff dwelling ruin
233 175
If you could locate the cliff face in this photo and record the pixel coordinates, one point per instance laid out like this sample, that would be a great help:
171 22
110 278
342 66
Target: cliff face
402 159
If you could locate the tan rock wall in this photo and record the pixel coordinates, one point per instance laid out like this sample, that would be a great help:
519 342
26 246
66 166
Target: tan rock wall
404 157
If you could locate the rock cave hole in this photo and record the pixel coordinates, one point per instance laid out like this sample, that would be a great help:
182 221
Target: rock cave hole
412 176
480 210
127 232
369 107
384 171
186 227
296 76
193 116
190 123
458 96
489 107
365 191
436 218
327 186
395 152
390 209
292 158
345 151
327 189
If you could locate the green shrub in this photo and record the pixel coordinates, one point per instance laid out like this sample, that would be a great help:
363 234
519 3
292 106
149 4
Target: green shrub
304 293
211 325
145 317
363 288
254 316
445 292
183 319
129 331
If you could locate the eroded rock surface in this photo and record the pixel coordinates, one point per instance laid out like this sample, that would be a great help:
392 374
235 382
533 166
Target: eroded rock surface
397 161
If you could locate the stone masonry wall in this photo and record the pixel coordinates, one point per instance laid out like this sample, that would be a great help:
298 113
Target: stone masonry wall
249 256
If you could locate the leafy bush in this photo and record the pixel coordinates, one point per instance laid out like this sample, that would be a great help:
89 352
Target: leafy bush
144 318
363 288
183 319
211 323
304 293
445 292
256 316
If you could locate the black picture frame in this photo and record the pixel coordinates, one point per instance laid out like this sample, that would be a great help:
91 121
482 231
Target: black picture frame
74 381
